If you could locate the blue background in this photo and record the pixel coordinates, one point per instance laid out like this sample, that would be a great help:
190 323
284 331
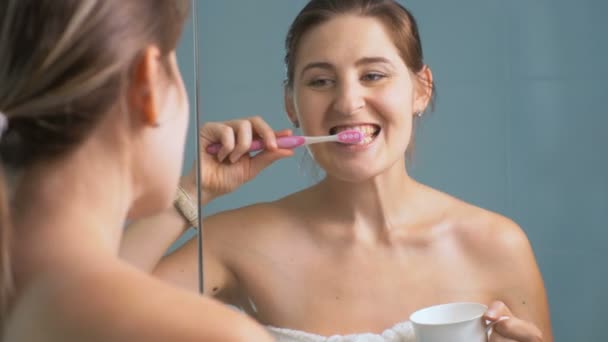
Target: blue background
519 126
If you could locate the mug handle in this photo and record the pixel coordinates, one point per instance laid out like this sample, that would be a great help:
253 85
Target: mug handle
490 325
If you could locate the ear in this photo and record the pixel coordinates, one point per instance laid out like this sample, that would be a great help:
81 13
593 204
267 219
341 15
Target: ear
424 89
290 107
144 93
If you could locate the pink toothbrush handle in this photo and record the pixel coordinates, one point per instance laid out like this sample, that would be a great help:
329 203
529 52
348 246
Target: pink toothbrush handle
258 145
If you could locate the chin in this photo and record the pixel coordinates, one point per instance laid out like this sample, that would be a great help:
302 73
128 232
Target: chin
353 174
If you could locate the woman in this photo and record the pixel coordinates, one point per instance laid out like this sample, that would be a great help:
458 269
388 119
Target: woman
93 116
368 245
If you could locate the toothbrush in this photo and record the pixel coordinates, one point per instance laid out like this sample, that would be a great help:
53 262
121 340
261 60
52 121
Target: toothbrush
293 141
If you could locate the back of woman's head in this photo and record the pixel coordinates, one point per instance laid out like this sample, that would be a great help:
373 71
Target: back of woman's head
63 64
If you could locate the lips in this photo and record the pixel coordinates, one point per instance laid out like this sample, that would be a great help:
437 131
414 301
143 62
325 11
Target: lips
370 131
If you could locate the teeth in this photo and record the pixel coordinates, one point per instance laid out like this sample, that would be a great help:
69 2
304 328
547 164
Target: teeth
367 130
366 140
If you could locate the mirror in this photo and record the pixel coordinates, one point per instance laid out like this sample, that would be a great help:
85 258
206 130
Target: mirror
146 241
516 130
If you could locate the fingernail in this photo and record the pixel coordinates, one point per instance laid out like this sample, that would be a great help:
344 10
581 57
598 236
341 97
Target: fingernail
502 318
491 314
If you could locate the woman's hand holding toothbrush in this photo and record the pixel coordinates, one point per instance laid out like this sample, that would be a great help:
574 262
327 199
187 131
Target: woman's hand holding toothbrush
233 166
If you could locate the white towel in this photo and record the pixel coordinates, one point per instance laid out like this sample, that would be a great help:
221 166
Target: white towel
401 332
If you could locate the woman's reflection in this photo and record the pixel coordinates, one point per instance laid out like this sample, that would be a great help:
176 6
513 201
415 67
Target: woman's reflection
368 245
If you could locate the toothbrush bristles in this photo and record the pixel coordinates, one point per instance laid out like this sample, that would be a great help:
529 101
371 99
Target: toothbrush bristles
350 137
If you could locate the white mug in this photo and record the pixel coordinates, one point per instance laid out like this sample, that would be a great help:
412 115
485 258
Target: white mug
453 322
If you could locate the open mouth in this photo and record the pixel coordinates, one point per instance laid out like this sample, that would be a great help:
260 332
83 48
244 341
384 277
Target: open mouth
369 131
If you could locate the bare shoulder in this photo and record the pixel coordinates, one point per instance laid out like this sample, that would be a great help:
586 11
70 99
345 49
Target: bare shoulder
259 215
490 236
486 235
499 250
256 220
230 238
115 302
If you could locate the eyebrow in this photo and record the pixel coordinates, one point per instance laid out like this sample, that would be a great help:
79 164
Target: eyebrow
362 61
372 60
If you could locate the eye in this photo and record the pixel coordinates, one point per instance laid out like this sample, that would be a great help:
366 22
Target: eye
320 83
373 76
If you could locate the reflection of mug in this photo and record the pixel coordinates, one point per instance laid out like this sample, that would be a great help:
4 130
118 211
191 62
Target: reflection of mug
454 322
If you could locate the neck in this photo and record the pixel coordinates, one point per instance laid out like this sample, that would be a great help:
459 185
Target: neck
373 207
71 209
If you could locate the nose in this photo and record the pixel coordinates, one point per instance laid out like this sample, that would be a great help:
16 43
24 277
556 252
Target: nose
349 98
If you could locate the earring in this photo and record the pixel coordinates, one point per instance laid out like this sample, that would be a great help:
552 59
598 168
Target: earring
418 113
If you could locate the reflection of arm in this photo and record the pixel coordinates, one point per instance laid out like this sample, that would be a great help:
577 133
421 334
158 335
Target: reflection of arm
524 291
146 241
507 255
181 267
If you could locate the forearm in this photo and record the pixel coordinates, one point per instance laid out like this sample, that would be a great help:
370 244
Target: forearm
145 241
189 184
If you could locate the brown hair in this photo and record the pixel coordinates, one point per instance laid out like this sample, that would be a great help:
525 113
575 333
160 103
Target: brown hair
63 64
399 22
